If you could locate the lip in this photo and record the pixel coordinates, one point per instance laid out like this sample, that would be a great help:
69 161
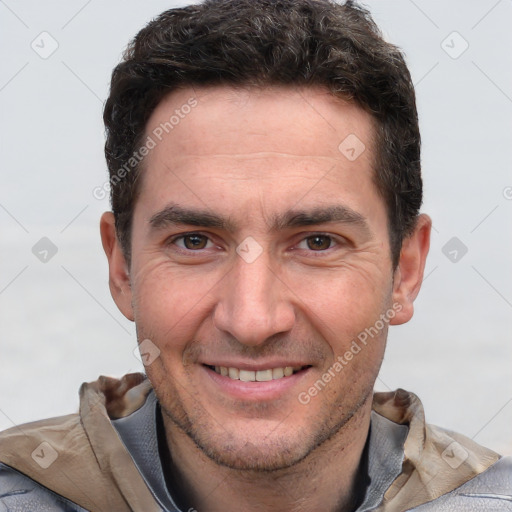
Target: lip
241 365
253 391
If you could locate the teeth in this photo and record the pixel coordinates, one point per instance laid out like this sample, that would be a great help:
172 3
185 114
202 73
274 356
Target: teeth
263 375
257 376
277 373
246 375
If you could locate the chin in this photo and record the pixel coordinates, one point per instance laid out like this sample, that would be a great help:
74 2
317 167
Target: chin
267 447
260 455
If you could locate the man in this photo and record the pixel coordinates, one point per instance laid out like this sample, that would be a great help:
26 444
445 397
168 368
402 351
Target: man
264 164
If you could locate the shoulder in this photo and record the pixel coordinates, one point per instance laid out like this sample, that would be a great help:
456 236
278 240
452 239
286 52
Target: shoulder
488 491
76 462
19 492
444 470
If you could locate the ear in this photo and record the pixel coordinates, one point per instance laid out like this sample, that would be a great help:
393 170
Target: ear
409 273
119 276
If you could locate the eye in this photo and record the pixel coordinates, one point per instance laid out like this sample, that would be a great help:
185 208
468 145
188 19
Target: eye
192 242
317 243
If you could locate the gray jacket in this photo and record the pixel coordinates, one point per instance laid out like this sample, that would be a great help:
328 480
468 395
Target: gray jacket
489 490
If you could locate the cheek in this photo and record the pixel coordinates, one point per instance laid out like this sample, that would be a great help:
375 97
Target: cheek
169 303
343 297
345 310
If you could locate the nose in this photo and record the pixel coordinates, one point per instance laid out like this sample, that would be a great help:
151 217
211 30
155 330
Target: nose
254 303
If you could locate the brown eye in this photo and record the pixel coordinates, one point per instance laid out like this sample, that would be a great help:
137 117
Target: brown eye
319 242
195 241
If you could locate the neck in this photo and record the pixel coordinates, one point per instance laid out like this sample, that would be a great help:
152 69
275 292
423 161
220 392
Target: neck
325 480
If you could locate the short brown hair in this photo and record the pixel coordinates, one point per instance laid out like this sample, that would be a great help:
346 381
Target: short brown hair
269 42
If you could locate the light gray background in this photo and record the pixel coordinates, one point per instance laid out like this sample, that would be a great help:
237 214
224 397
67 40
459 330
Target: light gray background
59 325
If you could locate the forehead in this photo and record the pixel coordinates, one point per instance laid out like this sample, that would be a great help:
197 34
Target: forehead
275 118
275 143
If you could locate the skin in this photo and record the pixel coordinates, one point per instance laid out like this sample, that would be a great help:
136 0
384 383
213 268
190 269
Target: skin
250 156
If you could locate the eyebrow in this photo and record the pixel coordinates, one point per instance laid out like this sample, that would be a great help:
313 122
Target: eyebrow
174 214
321 215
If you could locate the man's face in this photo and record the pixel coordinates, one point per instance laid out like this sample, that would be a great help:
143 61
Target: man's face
260 245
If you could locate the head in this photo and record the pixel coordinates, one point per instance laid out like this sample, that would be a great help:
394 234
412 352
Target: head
263 43
265 184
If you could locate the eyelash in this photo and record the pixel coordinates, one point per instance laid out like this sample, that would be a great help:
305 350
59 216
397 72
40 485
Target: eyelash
337 241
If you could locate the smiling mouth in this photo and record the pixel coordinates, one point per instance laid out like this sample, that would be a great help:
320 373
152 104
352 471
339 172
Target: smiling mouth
257 375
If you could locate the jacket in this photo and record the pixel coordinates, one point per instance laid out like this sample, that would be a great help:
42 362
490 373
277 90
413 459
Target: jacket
93 461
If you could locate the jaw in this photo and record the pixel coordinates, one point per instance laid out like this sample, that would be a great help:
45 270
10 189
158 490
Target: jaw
237 426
